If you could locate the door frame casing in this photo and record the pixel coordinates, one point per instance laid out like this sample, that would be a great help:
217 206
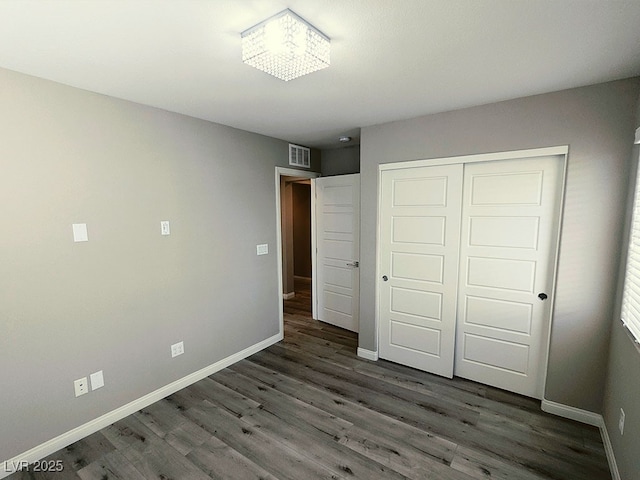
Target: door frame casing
291 172
561 150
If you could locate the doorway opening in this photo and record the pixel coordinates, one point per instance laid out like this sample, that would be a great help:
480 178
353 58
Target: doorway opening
296 246
295 241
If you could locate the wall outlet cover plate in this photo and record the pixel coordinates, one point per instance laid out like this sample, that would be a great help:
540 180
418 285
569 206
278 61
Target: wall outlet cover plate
81 386
80 233
97 380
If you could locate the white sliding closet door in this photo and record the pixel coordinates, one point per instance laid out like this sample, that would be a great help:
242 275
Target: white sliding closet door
467 267
419 241
507 263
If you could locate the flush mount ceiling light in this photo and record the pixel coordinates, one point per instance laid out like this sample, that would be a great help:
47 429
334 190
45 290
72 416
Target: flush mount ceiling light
344 139
285 46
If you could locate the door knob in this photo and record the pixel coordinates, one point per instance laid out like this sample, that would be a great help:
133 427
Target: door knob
542 296
385 278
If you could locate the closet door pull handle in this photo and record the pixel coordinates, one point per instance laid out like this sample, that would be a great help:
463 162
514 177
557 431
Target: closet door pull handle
542 296
385 278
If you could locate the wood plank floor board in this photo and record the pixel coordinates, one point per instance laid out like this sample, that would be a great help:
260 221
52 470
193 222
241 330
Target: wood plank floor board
418 415
161 418
316 422
456 383
82 453
284 405
317 335
495 448
501 446
187 437
418 412
73 459
524 411
186 398
399 455
318 446
441 450
534 451
567 449
412 379
294 320
148 453
481 466
113 466
424 384
234 402
324 350
271 454
424 398
328 334
453 396
309 408
221 462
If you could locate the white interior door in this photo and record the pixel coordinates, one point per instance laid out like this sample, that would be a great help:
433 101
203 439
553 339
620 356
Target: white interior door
338 250
509 237
419 246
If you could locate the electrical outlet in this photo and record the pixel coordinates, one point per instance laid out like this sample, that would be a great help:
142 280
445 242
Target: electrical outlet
165 229
177 349
81 386
262 249
621 422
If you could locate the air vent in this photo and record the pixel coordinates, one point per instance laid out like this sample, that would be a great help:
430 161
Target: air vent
299 156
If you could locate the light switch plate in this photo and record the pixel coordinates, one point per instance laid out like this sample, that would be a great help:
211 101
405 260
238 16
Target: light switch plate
165 228
97 380
262 249
80 233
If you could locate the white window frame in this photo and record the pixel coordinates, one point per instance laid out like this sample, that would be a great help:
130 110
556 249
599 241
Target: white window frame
630 314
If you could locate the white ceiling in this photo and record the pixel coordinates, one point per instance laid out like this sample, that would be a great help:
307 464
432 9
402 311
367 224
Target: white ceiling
390 59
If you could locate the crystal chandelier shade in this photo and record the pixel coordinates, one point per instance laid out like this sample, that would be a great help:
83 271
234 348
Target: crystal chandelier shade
285 46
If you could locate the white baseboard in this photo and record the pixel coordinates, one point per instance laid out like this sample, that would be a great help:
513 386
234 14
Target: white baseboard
608 448
572 413
288 296
66 439
368 354
590 418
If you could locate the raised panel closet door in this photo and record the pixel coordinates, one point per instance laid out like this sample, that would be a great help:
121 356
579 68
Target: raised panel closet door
419 239
510 218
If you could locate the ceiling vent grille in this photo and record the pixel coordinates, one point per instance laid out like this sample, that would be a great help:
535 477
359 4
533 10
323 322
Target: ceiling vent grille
299 156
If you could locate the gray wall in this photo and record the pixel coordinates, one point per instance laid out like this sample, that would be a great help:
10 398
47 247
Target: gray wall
623 391
623 386
117 302
341 161
597 122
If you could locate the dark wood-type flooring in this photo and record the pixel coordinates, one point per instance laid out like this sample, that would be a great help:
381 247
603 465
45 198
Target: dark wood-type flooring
309 408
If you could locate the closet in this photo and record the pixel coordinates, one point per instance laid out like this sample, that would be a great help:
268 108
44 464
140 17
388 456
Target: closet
467 260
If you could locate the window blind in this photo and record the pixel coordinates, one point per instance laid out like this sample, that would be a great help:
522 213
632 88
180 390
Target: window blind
631 293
